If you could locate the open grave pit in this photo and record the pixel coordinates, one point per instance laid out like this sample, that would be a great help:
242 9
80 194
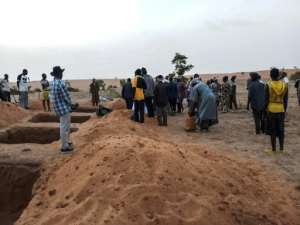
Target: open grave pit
38 135
52 118
16 184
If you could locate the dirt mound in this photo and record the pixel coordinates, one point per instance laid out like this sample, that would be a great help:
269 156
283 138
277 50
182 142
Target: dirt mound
10 113
36 105
116 104
127 173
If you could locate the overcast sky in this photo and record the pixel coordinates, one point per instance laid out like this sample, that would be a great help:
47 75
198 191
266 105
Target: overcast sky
111 38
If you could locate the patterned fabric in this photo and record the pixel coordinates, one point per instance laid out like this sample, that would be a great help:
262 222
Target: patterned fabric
60 97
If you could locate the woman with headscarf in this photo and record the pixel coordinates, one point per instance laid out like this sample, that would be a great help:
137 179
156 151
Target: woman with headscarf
204 100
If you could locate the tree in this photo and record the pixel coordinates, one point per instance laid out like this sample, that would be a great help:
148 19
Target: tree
181 66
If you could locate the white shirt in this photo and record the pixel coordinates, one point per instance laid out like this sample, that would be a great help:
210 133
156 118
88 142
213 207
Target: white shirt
286 80
24 83
5 85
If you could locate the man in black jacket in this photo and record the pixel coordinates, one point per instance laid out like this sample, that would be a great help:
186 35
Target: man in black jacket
127 93
173 94
256 98
161 101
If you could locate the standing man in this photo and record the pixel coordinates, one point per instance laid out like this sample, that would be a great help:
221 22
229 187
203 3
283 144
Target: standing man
161 101
233 100
173 94
256 98
276 100
94 90
139 86
149 92
214 86
45 87
225 94
5 88
62 106
23 87
127 93
181 88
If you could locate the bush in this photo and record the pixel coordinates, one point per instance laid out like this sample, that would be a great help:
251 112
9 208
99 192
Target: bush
295 76
111 92
101 84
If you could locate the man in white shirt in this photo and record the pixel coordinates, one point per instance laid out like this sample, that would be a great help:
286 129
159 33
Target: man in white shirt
23 86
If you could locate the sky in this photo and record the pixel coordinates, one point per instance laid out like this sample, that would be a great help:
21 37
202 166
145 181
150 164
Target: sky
108 39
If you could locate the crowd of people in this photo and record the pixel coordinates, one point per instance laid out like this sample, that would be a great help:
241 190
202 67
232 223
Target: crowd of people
164 96
161 97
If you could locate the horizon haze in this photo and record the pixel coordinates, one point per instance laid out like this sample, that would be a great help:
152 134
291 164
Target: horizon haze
107 39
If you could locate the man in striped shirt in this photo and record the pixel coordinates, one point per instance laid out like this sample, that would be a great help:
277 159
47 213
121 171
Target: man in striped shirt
62 106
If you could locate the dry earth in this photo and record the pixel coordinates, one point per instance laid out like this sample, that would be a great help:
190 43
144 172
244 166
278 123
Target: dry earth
127 173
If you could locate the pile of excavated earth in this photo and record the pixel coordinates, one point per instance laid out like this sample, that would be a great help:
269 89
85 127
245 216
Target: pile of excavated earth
10 113
124 173
127 173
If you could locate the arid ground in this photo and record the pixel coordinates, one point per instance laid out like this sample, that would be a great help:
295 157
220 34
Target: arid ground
127 173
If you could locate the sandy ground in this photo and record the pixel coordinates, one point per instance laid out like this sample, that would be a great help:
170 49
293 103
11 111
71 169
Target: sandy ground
126 173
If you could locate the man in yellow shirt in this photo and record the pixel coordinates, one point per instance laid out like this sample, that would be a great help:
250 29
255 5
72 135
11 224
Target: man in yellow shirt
276 100
138 86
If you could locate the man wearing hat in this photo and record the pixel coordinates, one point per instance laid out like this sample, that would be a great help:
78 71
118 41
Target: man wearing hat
62 106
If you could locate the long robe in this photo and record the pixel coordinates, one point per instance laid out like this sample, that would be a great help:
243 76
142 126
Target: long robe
204 100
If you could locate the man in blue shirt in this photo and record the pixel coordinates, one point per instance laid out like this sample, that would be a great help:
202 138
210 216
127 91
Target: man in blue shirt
62 106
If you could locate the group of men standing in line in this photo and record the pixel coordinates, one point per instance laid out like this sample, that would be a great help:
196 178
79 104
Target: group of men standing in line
23 85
